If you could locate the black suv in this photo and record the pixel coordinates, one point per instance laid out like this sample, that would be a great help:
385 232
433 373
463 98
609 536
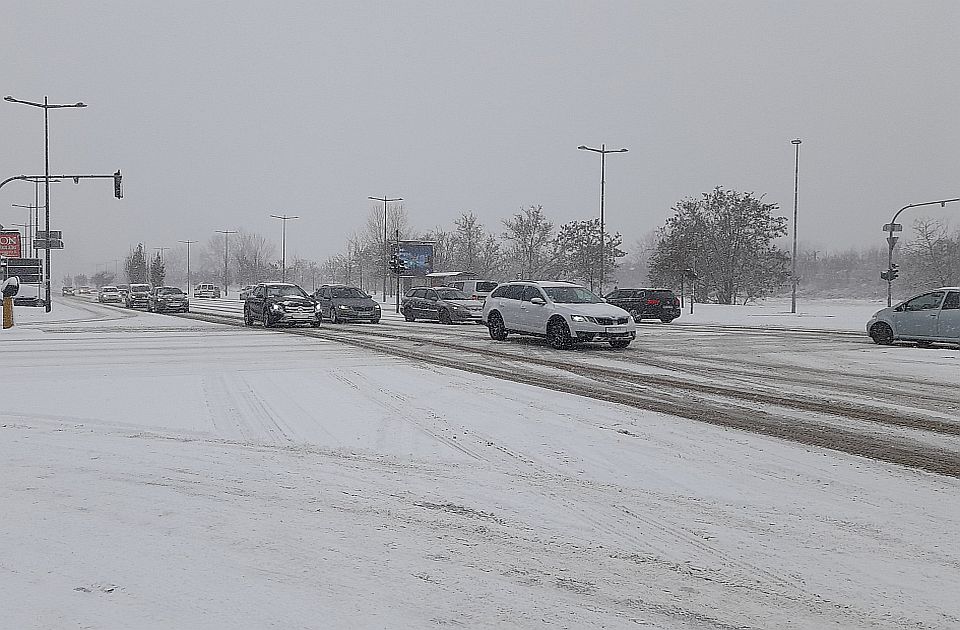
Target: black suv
274 303
166 299
659 304
343 303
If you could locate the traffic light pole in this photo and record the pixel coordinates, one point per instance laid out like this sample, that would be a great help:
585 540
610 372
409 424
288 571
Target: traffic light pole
398 272
892 227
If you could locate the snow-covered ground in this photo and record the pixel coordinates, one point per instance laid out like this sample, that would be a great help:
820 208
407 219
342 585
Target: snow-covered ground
159 472
820 314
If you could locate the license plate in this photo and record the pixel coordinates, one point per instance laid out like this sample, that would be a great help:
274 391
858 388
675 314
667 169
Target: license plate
616 329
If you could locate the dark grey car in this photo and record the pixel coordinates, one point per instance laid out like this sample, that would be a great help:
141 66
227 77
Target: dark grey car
343 303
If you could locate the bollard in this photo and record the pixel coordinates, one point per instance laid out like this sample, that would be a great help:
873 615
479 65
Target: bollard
7 312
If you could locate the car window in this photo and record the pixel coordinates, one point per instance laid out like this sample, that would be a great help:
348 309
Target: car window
347 292
258 292
530 292
924 302
514 291
431 295
571 295
458 285
485 287
952 302
499 292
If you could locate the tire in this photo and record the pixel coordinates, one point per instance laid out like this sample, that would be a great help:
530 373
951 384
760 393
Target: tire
247 318
924 344
559 335
882 334
444 317
375 321
186 310
265 320
666 320
316 322
620 343
498 332
333 317
149 308
408 315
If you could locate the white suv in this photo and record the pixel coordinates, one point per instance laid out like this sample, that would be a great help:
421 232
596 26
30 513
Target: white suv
563 312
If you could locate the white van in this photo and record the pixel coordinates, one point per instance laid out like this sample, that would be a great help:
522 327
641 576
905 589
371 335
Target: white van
475 289
206 290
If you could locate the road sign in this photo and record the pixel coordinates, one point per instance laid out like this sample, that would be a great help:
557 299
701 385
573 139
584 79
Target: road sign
27 269
892 227
892 240
10 244
46 243
54 234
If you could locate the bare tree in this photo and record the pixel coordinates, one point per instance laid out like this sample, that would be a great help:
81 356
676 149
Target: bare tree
528 234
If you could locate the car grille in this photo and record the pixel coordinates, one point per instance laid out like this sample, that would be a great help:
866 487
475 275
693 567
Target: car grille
610 321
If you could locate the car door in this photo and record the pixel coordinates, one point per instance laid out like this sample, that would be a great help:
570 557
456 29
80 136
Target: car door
428 305
323 299
948 323
510 307
533 317
917 318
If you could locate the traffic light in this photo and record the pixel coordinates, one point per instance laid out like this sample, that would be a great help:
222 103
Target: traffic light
893 272
885 275
394 261
401 265
117 188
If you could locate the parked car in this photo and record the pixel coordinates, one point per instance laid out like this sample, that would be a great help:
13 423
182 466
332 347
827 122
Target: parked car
124 289
475 289
343 303
932 317
660 304
563 312
444 304
167 299
138 296
206 290
68 290
275 303
246 291
108 294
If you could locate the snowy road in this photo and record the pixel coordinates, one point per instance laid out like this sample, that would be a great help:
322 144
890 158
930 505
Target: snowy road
164 472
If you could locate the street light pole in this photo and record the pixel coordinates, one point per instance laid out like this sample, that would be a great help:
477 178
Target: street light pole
46 160
226 234
385 199
283 244
796 181
603 159
188 243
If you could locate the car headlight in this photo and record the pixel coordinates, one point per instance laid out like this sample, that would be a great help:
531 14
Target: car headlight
343 307
276 307
316 308
579 318
376 306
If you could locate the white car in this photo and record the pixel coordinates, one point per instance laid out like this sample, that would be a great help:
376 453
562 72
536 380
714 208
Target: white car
109 294
931 317
563 312
206 290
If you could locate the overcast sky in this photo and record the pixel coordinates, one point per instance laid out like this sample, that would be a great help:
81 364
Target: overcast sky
221 113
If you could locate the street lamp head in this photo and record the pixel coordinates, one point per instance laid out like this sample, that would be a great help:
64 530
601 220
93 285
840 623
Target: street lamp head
582 147
80 104
10 98
622 150
796 141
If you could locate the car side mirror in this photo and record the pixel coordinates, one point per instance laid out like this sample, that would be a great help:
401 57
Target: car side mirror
539 301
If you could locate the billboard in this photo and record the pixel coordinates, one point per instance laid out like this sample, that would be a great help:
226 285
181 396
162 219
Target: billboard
417 257
10 243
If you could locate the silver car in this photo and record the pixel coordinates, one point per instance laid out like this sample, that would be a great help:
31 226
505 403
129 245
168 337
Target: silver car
931 317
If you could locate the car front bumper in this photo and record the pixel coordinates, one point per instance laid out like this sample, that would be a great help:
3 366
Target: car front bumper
589 331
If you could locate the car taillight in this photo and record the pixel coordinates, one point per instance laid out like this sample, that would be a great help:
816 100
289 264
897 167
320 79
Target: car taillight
653 302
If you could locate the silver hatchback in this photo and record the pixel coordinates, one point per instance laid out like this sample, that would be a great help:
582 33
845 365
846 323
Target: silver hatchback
931 317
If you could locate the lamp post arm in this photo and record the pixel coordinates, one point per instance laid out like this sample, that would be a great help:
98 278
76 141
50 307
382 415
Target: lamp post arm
42 177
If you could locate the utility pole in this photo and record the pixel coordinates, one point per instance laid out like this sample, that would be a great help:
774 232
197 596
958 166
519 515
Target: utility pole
793 273
46 160
385 199
603 159
226 234
188 243
283 244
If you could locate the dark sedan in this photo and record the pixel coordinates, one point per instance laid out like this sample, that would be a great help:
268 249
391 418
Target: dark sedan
444 304
659 304
167 299
343 303
279 303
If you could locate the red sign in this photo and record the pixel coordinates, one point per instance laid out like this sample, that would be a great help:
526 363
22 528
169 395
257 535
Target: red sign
10 244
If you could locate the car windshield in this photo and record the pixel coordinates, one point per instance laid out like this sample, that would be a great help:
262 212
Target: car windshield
289 290
571 295
451 294
347 292
109 289
139 288
169 291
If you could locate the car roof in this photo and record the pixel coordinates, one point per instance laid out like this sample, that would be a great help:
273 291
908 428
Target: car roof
277 284
546 283
641 289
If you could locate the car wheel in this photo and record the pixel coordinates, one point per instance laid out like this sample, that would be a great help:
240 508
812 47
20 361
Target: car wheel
149 308
881 333
445 317
375 321
498 332
559 334
924 344
666 320
334 318
620 343
265 320
316 322
247 317
408 315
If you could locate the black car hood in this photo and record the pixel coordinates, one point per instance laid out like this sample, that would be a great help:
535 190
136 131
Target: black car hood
354 301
